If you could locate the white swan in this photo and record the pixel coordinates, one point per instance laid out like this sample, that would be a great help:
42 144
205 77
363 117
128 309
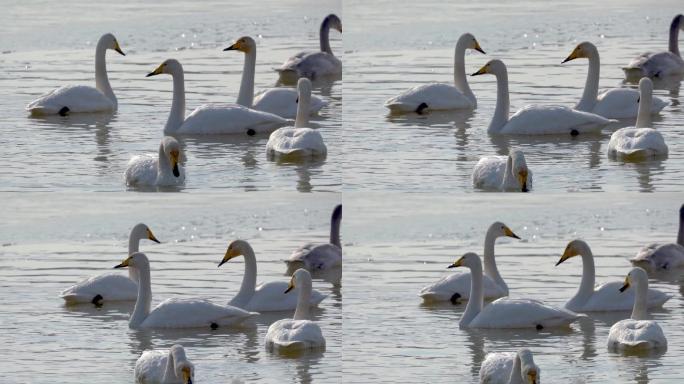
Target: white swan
318 257
510 368
299 333
211 119
636 333
436 96
162 170
615 103
111 286
605 297
664 256
639 142
164 367
175 313
503 173
535 119
505 312
315 65
298 142
660 64
265 296
456 287
81 98
278 101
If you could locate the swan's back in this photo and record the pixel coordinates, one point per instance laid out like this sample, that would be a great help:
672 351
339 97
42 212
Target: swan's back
269 297
110 286
607 297
549 120
496 368
229 119
317 256
192 313
294 335
283 102
445 288
141 170
150 367
636 143
435 96
312 65
299 142
522 313
659 64
77 98
489 172
636 334
623 103
665 256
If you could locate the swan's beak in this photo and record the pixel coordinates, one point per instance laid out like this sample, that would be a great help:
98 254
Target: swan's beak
532 375
458 263
124 263
574 55
290 286
118 48
482 71
187 377
230 253
238 46
478 48
150 236
509 233
626 285
158 71
174 163
568 253
522 179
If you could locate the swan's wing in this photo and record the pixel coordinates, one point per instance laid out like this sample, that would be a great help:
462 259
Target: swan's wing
317 257
110 286
458 283
141 170
150 367
271 296
433 96
497 367
630 333
489 172
283 102
289 333
634 143
522 313
304 142
313 65
607 297
77 98
665 256
549 119
229 119
623 103
190 313
658 64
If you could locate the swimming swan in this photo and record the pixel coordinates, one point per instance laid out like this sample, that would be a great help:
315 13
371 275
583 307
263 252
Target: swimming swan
605 297
664 256
111 286
82 98
162 170
319 257
510 368
535 119
663 63
437 96
636 333
615 103
456 287
503 173
505 312
164 367
175 313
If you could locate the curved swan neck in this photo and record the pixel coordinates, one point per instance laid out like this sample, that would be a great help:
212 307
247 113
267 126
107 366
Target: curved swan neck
680 235
516 372
490 268
640 297
246 95
507 183
460 80
644 112
303 299
323 36
335 231
503 105
144 301
476 300
170 371
101 78
133 247
177 114
248 286
586 288
302 119
588 100
674 36
163 164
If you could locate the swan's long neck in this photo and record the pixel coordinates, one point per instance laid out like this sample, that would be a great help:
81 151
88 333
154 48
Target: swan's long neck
325 41
640 297
680 235
248 280
133 247
644 113
490 268
586 288
476 300
674 36
101 78
163 165
144 301
507 183
170 371
335 232
246 95
177 114
503 105
588 100
302 119
303 299
516 372
460 80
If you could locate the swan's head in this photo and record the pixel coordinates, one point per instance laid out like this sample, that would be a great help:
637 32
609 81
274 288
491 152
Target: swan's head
528 369
136 260
235 249
574 248
645 86
299 278
142 231
244 44
499 229
303 87
169 67
681 213
468 260
183 368
519 169
635 276
582 50
337 212
493 67
172 150
470 42
677 22
333 21
110 42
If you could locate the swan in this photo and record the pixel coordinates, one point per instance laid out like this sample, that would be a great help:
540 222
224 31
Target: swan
175 313
111 286
510 368
535 119
266 296
636 333
664 256
660 64
211 119
164 367
278 101
299 333
615 103
82 98
503 173
436 96
298 142
318 257
605 297
456 287
161 170
638 142
315 65
505 312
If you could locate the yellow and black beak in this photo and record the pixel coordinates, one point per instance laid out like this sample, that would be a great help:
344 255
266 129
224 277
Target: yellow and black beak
457 263
626 285
568 253
174 163
230 254
150 236
574 55
509 233
532 375
482 71
124 263
522 179
187 376
237 46
478 48
290 286
118 48
158 71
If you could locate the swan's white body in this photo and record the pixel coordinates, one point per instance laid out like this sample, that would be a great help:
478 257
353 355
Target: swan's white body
660 64
664 256
456 287
315 65
299 333
164 367
605 297
81 98
536 119
437 96
176 313
298 142
637 333
161 170
110 286
504 312
509 368
503 173
320 257
615 103
639 142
